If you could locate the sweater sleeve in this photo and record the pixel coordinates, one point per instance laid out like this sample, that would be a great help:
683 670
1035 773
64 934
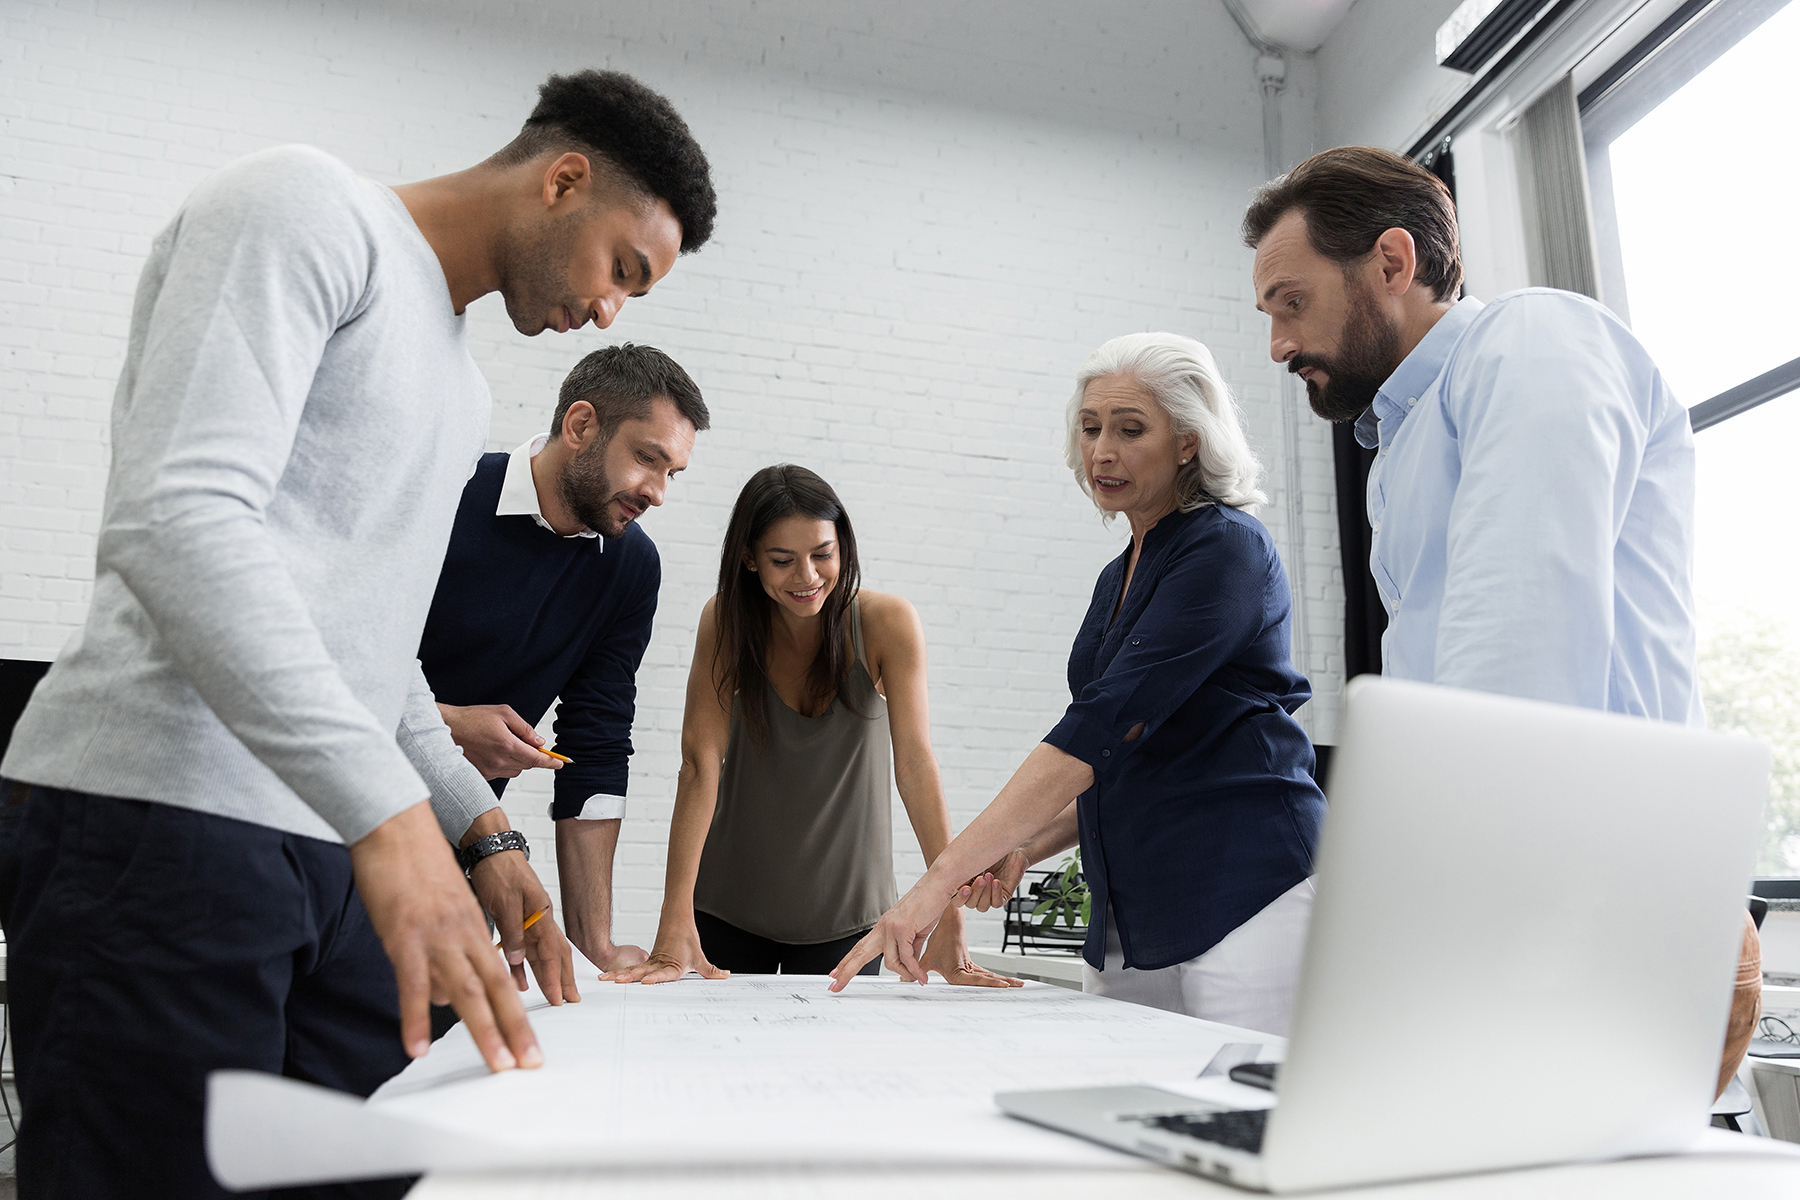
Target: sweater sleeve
598 704
458 792
267 260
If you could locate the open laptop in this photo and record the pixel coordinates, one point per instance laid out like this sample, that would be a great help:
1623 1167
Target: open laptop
1522 952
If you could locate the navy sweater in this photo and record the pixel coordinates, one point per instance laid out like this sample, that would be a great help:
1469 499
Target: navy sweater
1196 825
522 616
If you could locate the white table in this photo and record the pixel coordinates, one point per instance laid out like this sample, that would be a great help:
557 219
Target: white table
1692 1178
754 1087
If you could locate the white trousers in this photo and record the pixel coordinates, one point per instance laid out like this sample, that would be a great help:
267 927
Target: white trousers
1247 980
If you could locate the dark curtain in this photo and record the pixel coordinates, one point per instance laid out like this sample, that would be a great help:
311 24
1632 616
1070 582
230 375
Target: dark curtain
1365 619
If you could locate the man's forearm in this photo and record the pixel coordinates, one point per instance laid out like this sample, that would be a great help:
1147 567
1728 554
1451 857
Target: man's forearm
492 821
584 860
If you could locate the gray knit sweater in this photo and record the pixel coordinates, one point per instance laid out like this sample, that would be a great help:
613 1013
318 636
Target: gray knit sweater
296 418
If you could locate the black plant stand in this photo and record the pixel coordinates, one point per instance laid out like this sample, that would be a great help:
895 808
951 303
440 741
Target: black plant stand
1023 931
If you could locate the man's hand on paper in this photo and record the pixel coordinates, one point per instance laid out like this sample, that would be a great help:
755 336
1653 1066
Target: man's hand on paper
511 892
677 951
498 741
898 939
434 934
994 886
948 954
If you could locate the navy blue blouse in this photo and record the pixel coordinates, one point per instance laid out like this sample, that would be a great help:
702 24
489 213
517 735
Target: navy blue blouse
1212 813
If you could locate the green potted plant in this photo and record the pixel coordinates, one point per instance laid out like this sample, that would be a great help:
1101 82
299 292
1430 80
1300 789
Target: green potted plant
1065 894
1051 916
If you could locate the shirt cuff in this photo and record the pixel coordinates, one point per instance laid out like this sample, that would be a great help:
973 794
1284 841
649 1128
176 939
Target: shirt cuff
598 807
1093 744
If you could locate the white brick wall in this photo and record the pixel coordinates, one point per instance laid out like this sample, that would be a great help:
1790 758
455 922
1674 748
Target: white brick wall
925 225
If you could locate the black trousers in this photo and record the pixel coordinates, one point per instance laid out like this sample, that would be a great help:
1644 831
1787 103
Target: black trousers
149 945
727 946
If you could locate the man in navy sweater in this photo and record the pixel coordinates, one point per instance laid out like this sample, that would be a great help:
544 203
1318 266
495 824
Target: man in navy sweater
548 590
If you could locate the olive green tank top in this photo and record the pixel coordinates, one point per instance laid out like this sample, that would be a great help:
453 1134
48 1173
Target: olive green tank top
801 847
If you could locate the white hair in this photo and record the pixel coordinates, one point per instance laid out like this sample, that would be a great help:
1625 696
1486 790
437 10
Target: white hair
1182 377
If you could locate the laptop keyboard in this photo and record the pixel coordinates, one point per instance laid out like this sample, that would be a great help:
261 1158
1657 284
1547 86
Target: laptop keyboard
1240 1129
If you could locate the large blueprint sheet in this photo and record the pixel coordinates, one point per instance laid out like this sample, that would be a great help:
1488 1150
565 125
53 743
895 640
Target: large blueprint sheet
753 1069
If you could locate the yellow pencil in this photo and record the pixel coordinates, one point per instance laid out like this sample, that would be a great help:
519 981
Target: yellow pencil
533 919
555 755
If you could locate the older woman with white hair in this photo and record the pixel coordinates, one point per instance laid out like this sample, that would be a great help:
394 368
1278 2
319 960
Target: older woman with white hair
1178 766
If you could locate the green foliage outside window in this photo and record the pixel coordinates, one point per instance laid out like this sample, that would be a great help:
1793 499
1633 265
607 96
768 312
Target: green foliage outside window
1750 681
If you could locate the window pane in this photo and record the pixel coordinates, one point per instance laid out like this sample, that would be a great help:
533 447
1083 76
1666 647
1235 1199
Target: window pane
1705 189
1747 588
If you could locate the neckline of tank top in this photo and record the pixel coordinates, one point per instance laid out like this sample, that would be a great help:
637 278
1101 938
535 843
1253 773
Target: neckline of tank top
835 697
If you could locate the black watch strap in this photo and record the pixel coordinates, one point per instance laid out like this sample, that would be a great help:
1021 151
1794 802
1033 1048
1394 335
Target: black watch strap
493 843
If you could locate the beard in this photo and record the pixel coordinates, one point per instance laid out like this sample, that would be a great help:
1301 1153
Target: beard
1368 353
588 494
533 283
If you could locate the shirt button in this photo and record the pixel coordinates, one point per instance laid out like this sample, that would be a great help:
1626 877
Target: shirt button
1375 528
1411 400
1106 754
1137 641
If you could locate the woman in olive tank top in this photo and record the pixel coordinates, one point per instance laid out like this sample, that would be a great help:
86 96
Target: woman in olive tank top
804 694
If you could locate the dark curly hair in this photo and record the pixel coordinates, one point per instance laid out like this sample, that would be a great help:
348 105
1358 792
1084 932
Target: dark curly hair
635 131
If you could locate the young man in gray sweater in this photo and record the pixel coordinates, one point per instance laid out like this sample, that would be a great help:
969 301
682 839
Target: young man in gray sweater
216 847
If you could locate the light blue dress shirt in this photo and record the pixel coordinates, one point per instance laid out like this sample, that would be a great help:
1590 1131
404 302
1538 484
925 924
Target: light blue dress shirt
1532 503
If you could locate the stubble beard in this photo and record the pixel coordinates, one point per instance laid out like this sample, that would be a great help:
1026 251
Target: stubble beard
533 282
588 494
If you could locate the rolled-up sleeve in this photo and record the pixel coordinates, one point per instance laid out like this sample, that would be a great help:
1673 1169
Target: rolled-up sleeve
1208 606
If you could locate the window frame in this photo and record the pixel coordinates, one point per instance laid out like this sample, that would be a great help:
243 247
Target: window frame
1647 73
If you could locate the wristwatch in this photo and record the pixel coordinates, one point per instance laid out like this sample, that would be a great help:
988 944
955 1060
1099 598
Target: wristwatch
493 843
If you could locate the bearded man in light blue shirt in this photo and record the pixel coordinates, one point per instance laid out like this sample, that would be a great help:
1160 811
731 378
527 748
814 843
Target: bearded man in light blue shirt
1532 497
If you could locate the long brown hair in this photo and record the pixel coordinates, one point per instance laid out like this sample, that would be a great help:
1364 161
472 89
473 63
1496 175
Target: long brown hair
745 611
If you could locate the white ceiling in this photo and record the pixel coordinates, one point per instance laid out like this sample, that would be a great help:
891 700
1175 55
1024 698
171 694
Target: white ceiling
1297 24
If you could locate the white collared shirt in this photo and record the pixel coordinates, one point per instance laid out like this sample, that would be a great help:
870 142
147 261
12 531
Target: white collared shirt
518 491
519 498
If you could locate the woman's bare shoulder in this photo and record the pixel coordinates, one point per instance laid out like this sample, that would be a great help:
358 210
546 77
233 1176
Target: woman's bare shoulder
886 609
890 621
